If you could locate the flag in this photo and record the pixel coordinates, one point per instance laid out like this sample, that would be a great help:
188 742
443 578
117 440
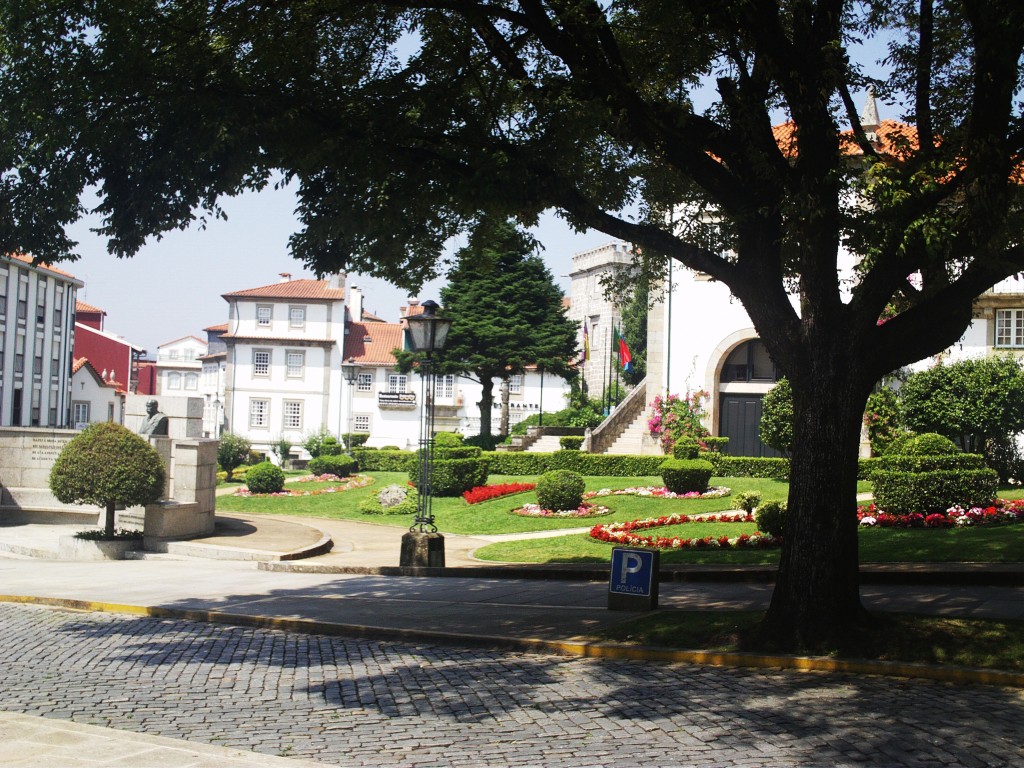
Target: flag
586 343
625 357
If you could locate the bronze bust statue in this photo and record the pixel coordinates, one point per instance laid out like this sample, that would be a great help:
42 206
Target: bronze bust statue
155 423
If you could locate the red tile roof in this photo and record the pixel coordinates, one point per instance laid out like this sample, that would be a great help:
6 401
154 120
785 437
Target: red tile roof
214 328
892 138
81 306
28 260
372 343
308 290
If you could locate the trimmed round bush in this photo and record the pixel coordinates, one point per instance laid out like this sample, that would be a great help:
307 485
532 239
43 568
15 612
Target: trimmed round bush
340 465
686 449
686 475
928 444
264 477
771 518
560 489
926 474
447 440
570 442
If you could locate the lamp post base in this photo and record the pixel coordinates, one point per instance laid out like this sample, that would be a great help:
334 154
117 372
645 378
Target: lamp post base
422 550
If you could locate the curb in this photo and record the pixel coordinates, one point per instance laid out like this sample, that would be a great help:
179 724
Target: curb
583 649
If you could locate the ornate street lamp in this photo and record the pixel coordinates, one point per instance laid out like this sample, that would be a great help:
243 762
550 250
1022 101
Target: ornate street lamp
349 372
423 546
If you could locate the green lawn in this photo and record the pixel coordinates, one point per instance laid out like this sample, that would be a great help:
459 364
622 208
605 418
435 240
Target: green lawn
985 643
985 544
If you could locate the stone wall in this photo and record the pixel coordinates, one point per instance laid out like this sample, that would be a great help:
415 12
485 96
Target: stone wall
28 454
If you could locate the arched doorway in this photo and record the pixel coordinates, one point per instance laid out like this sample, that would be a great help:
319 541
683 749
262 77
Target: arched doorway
746 375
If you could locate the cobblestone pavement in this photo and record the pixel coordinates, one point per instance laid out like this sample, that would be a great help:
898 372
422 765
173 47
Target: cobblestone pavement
366 703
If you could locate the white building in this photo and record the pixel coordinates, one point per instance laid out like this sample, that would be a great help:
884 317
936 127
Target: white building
37 316
179 367
213 382
283 360
94 398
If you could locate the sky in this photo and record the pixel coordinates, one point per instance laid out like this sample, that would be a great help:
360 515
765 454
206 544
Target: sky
173 287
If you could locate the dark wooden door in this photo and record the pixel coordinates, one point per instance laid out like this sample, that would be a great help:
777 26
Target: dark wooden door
740 421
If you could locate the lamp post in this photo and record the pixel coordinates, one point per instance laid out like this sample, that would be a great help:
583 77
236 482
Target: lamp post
216 419
349 371
423 546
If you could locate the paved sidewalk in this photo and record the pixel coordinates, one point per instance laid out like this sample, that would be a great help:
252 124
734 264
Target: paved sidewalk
489 611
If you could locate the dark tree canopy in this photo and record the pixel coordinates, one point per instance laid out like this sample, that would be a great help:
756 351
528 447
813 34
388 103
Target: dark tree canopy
507 313
401 121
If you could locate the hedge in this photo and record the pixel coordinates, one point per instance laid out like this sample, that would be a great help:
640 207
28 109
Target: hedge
686 475
775 468
329 464
371 460
903 493
453 477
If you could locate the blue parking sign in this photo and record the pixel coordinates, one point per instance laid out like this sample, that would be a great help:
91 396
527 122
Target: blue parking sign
632 572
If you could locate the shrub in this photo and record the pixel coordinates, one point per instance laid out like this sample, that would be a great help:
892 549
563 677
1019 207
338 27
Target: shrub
570 442
746 500
483 442
232 452
686 449
882 419
341 465
264 477
453 477
315 442
560 489
926 473
447 440
686 475
373 460
390 500
716 444
353 439
773 467
674 418
771 518
108 466
776 427
281 448
927 444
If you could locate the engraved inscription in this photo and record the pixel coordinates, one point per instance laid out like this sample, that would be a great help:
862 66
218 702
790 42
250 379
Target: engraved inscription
47 449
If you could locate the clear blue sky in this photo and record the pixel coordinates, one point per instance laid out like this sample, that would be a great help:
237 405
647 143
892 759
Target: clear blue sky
173 287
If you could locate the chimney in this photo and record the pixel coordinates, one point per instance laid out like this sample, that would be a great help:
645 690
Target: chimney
869 117
285 276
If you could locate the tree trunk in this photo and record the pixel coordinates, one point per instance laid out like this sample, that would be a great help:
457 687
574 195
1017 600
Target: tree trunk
486 403
108 521
816 603
505 384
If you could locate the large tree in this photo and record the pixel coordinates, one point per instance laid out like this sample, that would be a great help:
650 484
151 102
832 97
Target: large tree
507 315
401 120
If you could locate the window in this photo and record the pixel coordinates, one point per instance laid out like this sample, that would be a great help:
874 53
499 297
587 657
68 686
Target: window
173 380
365 382
296 317
191 381
295 362
515 384
79 413
361 422
22 309
264 314
41 313
1010 328
397 382
261 362
749 362
444 386
58 317
37 365
259 413
292 414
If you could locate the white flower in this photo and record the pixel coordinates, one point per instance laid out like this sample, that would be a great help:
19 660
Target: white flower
868 521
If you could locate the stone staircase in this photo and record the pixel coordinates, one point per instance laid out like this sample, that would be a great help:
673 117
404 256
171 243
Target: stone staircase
631 440
545 444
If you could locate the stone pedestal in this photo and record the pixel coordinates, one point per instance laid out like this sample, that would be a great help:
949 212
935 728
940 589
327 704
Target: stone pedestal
422 550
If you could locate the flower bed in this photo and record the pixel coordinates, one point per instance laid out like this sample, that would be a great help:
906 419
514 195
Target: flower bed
625 533
584 510
660 493
488 492
346 484
999 512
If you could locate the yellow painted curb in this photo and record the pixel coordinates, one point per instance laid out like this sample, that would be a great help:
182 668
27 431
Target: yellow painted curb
601 650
